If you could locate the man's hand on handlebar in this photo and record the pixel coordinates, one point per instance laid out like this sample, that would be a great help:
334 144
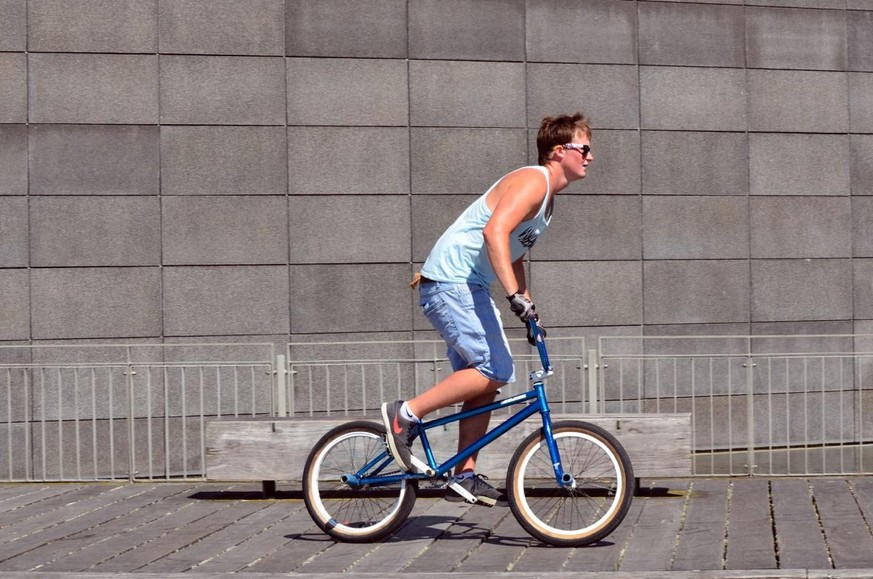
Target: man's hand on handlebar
521 306
530 336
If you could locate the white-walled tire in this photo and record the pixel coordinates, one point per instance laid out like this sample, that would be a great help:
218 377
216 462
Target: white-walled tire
589 510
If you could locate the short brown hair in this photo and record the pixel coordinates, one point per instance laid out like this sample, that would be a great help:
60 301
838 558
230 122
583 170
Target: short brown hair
559 130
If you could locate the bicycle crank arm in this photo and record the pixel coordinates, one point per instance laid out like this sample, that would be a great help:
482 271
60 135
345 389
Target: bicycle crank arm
422 467
468 497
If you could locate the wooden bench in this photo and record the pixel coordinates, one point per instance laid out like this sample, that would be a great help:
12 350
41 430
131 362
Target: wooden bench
275 449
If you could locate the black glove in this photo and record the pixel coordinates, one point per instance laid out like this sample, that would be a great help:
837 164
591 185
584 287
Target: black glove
521 306
530 336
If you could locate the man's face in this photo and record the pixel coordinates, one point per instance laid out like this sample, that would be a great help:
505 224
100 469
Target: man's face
577 157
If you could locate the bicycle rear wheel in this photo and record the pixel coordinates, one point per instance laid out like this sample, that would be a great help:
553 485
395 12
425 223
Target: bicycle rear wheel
584 512
352 513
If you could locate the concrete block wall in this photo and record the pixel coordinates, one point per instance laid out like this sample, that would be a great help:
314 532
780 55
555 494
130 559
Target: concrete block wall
275 170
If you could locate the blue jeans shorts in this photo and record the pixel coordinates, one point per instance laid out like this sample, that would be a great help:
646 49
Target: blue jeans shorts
469 322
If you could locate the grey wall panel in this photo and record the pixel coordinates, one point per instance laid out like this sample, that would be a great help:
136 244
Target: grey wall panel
275 157
225 300
801 227
349 229
430 216
615 168
859 27
224 161
206 230
605 32
93 88
374 160
13 25
463 161
692 292
794 100
608 95
460 93
343 28
222 26
94 160
794 38
14 304
328 91
861 160
102 303
691 35
695 227
588 293
13 89
70 231
14 236
92 25
695 163
693 98
466 29
222 90
801 289
861 102
862 226
592 227
340 298
779 164
863 289
13 159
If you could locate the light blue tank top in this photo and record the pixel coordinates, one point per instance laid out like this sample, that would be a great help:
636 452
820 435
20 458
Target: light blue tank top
459 255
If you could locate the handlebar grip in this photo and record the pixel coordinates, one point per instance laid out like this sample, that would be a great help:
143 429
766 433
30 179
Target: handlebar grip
537 333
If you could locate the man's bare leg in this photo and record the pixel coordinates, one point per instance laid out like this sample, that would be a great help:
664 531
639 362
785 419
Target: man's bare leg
470 387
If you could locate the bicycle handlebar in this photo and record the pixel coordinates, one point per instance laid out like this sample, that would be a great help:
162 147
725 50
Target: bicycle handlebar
537 333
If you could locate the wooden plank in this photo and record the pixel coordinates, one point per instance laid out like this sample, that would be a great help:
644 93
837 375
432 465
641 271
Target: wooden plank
43 500
659 445
846 532
701 541
751 544
459 540
53 542
81 550
499 552
654 537
174 515
798 534
177 538
430 520
293 537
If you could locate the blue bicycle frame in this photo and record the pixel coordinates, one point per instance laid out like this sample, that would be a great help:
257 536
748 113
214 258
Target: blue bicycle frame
537 402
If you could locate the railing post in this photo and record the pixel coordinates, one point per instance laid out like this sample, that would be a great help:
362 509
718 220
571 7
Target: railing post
594 406
281 386
131 433
750 413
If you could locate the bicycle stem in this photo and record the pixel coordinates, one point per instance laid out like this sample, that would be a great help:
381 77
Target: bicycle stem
539 339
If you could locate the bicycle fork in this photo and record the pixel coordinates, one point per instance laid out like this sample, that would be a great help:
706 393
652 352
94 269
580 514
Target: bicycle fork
564 479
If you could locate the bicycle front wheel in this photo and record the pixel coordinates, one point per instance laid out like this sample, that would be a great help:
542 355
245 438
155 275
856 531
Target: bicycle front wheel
580 513
348 512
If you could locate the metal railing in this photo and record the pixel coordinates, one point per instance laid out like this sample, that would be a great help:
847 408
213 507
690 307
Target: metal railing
123 412
763 405
760 405
330 379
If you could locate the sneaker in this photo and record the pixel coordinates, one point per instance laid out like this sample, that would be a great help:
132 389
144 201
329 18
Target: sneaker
401 433
484 492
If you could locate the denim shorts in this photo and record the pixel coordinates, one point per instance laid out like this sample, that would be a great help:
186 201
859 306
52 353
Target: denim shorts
469 322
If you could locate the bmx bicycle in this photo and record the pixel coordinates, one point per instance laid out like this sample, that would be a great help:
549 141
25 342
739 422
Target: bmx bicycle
569 483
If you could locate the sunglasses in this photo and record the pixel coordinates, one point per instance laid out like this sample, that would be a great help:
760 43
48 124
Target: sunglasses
584 149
